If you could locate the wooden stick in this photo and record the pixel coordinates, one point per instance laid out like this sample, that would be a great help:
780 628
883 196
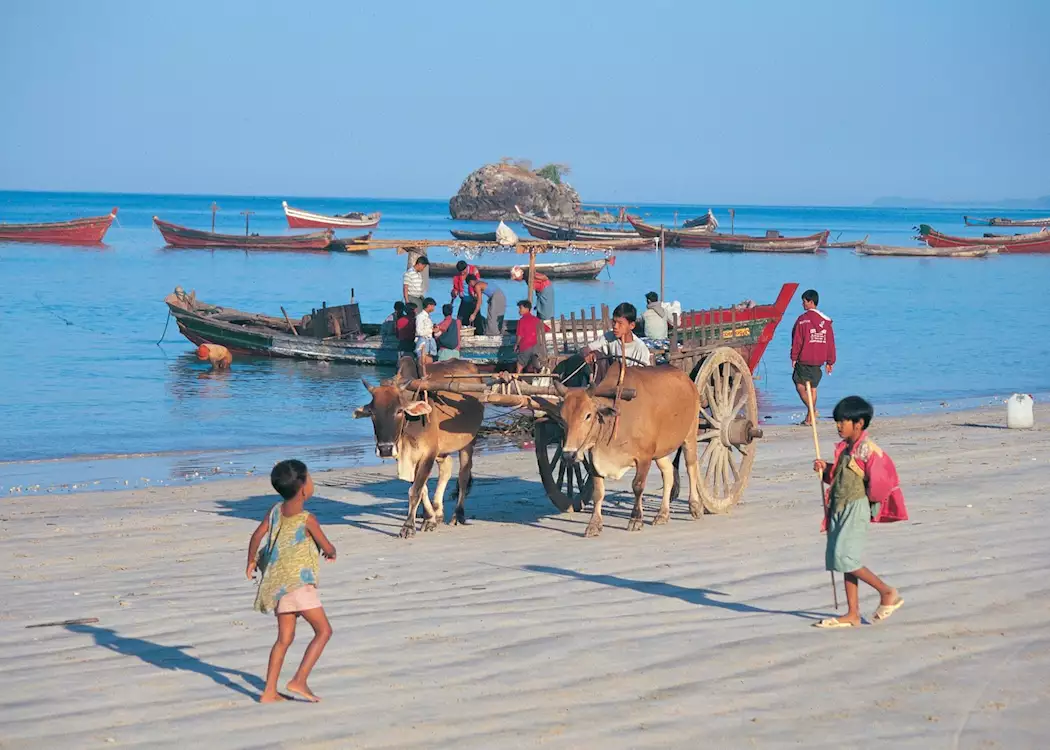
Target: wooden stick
823 497
532 272
62 623
288 320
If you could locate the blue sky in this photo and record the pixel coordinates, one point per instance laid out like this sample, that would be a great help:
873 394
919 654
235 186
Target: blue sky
680 102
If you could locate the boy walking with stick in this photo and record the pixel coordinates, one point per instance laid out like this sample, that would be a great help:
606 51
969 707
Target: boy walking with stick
864 489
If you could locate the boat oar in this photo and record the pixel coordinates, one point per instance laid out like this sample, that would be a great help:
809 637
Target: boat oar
823 497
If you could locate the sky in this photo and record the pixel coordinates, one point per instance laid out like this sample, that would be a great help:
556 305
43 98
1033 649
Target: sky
761 102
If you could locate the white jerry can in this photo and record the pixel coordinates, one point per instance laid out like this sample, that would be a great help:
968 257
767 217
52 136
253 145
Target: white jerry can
1019 414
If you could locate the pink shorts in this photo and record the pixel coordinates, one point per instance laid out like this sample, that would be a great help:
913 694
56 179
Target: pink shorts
303 598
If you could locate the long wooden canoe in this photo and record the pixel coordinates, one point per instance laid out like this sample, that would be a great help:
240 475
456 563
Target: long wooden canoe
299 219
460 234
786 245
588 269
177 236
1039 243
749 330
699 238
999 221
972 251
89 231
549 230
847 244
1041 234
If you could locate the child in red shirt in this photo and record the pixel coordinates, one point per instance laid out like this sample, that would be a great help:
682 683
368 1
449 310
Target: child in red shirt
527 344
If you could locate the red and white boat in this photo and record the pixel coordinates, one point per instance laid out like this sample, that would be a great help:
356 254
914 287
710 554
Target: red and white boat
88 231
1033 242
299 219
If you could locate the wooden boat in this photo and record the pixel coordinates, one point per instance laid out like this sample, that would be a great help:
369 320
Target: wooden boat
786 245
177 236
335 334
549 230
707 221
849 244
299 219
698 238
459 234
998 221
972 251
1039 243
358 244
88 231
588 269
1027 235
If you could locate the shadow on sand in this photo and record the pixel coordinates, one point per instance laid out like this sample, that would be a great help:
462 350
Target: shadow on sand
700 597
170 657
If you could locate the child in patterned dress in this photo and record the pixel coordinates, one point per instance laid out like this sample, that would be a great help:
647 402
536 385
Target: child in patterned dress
289 582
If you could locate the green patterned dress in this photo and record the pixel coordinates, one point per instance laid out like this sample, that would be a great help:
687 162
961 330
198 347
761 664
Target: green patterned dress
292 560
849 514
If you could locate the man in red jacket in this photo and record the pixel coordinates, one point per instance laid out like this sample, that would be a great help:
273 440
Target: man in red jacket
812 345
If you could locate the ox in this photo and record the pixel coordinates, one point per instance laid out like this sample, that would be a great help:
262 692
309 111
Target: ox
660 420
418 433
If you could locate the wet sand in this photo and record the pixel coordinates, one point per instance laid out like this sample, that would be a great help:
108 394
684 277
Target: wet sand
515 631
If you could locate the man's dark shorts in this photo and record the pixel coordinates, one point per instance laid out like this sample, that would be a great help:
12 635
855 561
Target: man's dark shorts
530 357
806 374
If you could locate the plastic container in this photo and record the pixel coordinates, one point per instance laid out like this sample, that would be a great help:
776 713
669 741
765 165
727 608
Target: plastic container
1019 414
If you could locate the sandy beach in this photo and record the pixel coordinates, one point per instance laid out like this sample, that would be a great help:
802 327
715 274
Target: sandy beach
515 631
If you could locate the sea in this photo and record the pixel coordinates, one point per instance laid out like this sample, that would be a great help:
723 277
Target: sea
98 390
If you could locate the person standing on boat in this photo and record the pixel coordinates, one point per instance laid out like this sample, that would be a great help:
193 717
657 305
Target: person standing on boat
413 287
447 334
425 345
812 346
544 291
461 290
496 309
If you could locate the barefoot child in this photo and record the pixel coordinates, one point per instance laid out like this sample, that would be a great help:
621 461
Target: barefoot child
864 489
290 575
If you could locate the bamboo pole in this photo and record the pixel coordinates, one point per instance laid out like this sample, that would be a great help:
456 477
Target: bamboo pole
823 497
663 245
532 272
288 321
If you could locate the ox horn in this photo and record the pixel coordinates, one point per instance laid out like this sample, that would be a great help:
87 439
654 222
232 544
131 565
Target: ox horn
560 388
368 386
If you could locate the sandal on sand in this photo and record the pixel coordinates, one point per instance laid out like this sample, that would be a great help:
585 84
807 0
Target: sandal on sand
884 611
833 622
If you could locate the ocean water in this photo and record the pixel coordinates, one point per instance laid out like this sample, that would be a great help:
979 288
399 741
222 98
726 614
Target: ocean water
83 377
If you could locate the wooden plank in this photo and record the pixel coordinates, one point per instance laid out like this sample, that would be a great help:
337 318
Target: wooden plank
575 337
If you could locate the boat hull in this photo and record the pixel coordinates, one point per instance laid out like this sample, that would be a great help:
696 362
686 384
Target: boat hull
585 270
183 237
89 231
970 251
998 221
299 219
548 230
698 239
1026 244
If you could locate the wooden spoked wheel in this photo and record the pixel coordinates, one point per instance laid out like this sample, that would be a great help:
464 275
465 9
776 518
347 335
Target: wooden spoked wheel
727 428
568 485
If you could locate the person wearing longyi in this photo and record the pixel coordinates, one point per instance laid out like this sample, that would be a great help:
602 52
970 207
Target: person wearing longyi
864 489
219 356
812 346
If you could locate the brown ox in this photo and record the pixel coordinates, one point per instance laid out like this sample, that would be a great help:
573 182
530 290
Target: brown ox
418 433
660 419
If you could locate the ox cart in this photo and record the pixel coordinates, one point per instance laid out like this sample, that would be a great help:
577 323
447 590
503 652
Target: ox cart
718 348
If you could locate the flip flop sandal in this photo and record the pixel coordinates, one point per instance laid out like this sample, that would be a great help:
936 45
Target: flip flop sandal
884 611
832 623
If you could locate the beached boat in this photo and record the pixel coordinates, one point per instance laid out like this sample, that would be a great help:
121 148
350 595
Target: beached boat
336 334
588 269
785 245
299 219
459 234
999 221
971 251
549 230
177 236
1038 242
846 244
88 231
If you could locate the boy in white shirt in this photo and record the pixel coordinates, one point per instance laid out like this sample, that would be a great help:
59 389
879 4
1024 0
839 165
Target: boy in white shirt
426 346
621 339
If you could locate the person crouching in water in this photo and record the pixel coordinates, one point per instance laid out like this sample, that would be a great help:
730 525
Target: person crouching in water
219 356
290 576
864 490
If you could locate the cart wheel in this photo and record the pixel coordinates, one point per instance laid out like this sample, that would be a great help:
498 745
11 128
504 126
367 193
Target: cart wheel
568 486
728 419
